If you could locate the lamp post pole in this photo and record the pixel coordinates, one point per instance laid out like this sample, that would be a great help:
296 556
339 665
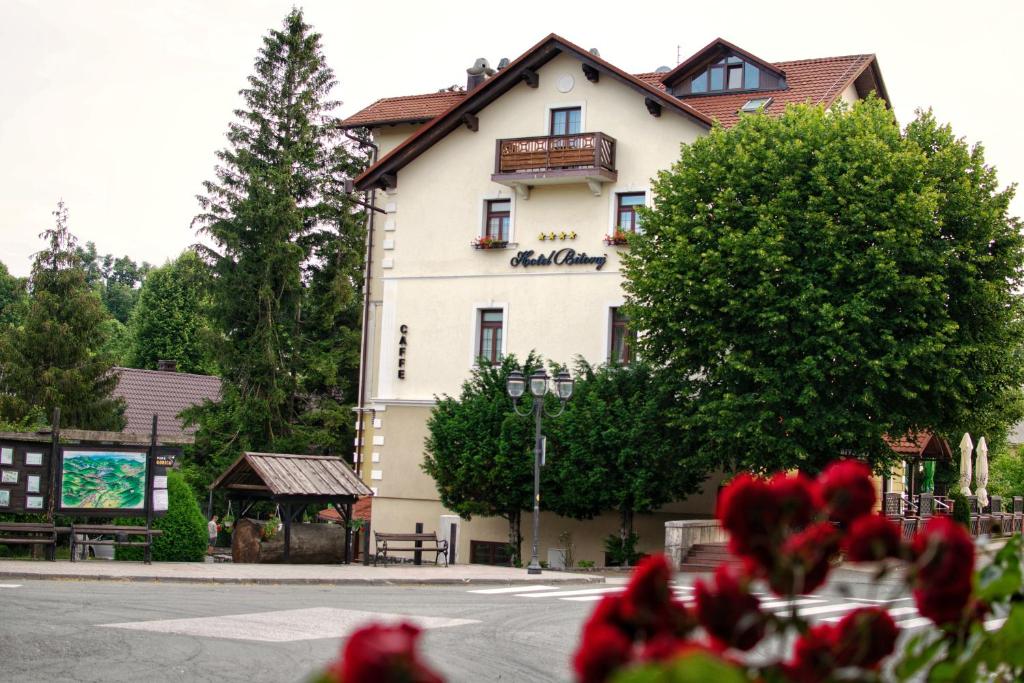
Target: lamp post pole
538 409
516 386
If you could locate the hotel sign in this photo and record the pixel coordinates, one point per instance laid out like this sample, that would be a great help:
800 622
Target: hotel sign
557 257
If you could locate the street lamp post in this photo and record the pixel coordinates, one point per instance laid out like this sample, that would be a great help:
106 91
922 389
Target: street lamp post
516 386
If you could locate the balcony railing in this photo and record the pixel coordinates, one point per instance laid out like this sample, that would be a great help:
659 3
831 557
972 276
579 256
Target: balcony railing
555 153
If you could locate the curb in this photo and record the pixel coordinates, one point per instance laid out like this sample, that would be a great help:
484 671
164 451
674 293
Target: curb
210 580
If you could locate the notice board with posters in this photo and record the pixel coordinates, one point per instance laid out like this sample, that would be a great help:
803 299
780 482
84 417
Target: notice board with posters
26 469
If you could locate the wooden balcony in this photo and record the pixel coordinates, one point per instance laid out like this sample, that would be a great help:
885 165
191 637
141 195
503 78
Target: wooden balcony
555 159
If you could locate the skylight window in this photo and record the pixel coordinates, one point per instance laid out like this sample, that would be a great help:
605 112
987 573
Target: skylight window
755 105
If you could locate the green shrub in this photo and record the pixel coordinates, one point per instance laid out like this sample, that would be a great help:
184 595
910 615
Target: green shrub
621 553
184 537
961 510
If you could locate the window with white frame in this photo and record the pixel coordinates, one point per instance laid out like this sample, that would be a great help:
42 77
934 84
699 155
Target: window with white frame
626 203
622 343
497 217
490 328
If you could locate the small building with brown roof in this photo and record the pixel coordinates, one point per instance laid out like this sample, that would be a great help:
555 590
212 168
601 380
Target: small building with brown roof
163 393
503 210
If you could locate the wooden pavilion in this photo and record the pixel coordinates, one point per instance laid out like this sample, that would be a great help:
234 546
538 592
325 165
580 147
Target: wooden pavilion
294 482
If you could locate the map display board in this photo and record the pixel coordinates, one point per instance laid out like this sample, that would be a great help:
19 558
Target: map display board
102 480
24 476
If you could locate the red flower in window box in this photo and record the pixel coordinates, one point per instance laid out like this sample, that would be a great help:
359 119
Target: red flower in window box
619 237
488 242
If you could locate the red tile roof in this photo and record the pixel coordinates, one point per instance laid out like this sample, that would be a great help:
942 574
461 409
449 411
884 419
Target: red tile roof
924 444
165 394
410 109
818 81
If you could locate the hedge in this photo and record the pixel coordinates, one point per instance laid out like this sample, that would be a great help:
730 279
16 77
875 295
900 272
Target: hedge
184 537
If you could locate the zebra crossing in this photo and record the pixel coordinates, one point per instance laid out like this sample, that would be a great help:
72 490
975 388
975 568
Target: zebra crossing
814 608
10 585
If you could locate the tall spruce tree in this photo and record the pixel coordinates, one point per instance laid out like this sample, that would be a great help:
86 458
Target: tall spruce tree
285 259
53 360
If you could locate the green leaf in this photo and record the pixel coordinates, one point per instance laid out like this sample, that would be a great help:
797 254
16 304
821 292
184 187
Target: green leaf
697 667
919 651
1002 578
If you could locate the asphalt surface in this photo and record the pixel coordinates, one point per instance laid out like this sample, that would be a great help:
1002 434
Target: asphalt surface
125 631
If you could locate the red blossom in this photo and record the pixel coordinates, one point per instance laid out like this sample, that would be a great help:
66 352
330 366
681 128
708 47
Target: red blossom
749 510
603 650
728 612
797 498
872 538
813 656
383 654
865 637
648 606
847 490
805 560
944 562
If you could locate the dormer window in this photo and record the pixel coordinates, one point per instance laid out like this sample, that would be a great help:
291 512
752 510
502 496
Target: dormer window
724 72
729 73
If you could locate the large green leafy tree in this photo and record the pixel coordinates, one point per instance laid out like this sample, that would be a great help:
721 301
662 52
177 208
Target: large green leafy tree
171 320
285 255
116 279
816 281
480 453
52 360
617 448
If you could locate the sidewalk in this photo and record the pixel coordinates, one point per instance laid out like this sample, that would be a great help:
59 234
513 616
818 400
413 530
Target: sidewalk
311 574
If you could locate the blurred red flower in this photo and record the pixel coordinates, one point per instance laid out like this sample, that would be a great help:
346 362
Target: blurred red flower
805 560
813 656
797 498
728 612
603 650
944 562
749 510
864 637
872 538
847 490
383 654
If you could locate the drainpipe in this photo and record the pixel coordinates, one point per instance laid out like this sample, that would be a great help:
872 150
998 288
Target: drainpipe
364 342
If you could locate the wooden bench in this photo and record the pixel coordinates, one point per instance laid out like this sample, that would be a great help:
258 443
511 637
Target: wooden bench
32 533
118 532
429 542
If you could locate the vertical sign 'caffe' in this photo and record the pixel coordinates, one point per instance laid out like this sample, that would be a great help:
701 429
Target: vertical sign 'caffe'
402 343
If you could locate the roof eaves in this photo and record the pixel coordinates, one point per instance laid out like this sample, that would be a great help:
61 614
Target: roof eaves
536 56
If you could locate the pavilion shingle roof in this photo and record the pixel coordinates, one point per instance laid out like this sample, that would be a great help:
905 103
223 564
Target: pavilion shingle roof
164 394
284 474
818 81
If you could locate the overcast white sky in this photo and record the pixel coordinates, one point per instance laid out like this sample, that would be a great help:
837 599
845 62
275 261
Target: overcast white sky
118 107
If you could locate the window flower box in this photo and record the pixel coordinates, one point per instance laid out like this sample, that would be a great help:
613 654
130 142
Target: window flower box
487 242
618 238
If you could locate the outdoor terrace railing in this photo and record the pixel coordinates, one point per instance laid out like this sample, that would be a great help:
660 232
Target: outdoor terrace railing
555 152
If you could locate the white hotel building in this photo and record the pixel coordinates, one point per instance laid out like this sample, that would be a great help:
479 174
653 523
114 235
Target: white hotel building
550 153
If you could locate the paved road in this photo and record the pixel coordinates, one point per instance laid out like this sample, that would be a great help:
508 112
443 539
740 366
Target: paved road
153 632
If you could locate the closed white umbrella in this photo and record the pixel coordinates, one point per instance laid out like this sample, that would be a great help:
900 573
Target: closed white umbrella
981 473
966 446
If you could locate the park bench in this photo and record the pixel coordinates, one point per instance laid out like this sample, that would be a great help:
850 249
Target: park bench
32 533
416 543
120 535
